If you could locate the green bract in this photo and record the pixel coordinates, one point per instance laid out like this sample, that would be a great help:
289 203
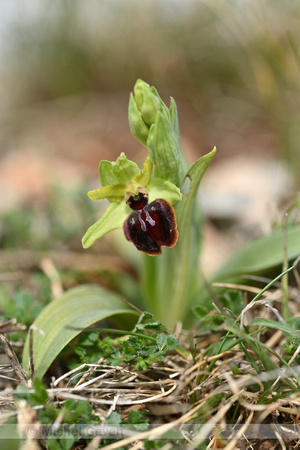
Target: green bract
117 178
164 148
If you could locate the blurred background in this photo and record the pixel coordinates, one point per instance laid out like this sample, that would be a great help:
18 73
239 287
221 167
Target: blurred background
66 70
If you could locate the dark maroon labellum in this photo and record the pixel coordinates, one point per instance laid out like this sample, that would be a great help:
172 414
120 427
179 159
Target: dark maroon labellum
151 226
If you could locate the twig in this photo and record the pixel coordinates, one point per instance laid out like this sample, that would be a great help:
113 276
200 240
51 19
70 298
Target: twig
11 325
19 371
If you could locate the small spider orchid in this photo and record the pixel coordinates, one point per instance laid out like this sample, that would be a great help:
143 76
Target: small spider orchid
151 225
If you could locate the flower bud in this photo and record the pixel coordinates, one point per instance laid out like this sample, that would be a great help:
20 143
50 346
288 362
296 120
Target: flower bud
138 127
143 109
147 101
156 127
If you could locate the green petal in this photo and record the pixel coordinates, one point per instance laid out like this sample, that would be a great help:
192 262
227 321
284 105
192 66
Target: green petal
112 219
114 193
143 179
120 172
160 188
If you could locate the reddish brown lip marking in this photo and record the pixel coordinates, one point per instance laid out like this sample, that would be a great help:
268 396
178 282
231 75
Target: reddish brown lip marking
150 226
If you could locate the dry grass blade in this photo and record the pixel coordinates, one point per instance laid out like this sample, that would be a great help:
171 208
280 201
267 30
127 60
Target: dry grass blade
126 394
9 326
233 444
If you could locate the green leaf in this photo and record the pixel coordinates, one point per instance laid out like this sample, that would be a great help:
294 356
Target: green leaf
233 301
112 219
161 341
114 419
286 328
172 342
171 280
79 307
134 416
121 171
260 256
35 395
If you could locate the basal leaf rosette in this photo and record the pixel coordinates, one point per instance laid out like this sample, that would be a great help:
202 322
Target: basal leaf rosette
123 180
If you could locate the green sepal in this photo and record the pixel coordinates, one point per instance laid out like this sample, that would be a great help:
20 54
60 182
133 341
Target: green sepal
112 219
120 172
160 188
114 193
